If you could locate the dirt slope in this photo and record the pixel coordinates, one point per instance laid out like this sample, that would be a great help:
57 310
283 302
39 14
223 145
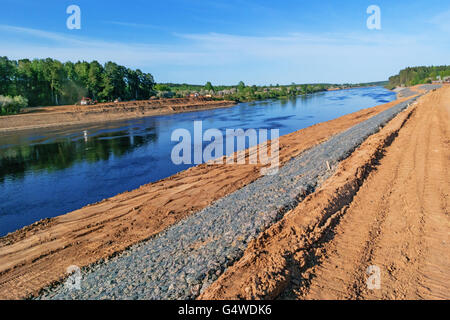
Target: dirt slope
387 205
57 116
38 255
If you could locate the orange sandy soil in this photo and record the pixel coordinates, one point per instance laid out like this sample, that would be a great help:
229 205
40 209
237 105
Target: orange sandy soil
38 255
33 118
387 205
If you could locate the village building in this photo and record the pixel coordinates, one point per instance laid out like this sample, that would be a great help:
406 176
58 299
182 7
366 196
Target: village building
86 101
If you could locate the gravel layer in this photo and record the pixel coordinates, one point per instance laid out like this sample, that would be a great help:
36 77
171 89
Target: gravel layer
407 92
186 258
429 87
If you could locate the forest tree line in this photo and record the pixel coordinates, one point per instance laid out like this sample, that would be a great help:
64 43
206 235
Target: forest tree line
44 82
240 92
418 75
47 82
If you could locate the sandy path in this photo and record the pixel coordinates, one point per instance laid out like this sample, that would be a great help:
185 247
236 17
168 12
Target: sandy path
38 255
387 205
399 220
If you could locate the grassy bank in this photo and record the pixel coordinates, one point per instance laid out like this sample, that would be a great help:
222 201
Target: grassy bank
245 93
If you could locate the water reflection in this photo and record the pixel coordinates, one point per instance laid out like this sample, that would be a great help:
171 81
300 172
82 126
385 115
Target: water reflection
17 160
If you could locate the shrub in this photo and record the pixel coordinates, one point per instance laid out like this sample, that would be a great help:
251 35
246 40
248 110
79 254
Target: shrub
12 105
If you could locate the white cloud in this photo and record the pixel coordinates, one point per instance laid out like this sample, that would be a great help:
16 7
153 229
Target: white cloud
299 57
64 47
442 20
135 25
38 34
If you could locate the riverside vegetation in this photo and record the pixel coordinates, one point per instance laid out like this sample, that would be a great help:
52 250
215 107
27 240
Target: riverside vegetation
244 93
49 82
418 75
12 105
45 82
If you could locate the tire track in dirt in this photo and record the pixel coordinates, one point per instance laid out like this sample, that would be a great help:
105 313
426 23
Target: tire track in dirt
387 205
398 221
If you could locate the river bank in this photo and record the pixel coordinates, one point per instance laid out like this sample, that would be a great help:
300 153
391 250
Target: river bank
70 115
58 116
38 255
404 92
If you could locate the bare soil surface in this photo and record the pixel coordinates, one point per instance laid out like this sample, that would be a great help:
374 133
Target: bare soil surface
38 255
43 117
387 205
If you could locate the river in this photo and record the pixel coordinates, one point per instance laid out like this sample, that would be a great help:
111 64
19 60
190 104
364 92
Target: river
48 172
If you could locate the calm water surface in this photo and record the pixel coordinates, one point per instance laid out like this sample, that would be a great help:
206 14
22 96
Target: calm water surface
49 172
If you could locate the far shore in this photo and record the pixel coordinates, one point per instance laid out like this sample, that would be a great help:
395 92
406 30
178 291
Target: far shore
58 116
70 115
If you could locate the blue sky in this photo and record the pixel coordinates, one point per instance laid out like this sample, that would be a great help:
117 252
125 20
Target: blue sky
259 42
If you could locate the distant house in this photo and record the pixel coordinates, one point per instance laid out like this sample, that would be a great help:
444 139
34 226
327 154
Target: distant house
86 101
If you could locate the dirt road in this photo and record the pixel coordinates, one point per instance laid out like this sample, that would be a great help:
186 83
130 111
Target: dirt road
387 206
399 219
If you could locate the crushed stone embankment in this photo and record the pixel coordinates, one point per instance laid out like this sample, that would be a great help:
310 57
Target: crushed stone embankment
185 259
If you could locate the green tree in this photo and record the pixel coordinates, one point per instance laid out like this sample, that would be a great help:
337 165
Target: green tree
94 81
7 75
82 73
57 78
162 87
115 76
12 105
209 86
50 82
241 86
146 84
